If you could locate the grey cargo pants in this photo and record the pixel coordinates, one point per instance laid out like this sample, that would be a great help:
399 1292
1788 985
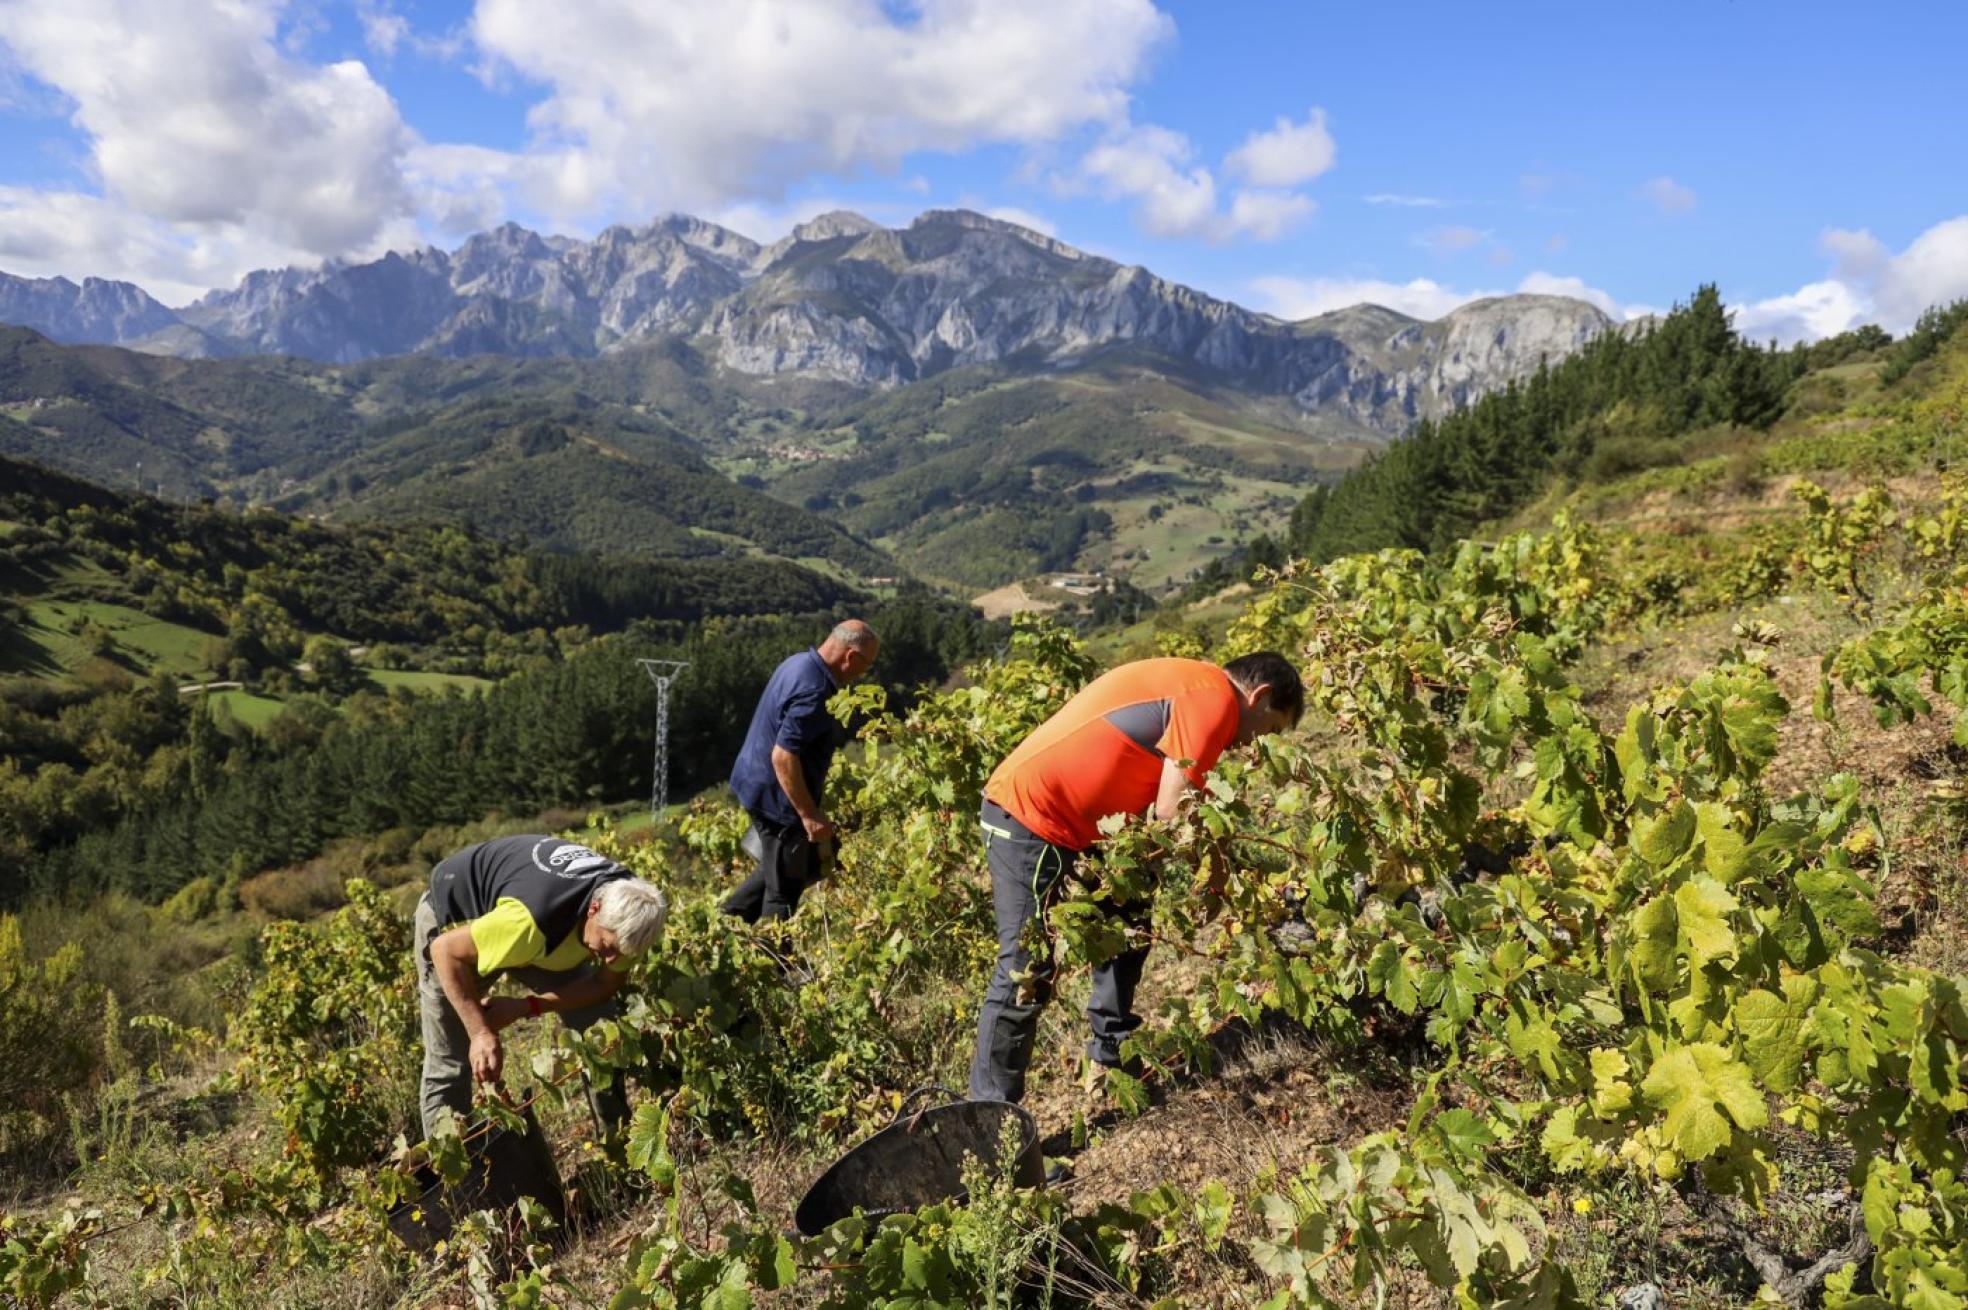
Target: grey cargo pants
447 1047
1025 871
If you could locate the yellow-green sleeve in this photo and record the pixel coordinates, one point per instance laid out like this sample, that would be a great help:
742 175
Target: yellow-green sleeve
507 938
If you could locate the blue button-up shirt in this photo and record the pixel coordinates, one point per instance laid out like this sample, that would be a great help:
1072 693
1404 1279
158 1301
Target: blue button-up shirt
791 713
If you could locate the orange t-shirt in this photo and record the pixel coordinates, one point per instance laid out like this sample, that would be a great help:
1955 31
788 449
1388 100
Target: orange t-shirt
1102 753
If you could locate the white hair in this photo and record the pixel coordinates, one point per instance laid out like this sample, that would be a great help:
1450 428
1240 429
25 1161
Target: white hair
634 911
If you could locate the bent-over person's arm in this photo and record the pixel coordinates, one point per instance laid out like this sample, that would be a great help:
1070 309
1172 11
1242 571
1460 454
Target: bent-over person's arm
579 993
454 958
1174 786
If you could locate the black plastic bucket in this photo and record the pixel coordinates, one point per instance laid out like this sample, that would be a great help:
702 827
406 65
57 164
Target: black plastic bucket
504 1166
918 1160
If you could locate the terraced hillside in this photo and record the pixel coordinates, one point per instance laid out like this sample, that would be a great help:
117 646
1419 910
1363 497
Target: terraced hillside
1603 930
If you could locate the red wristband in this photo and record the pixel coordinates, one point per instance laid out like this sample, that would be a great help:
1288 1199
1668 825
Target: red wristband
533 1006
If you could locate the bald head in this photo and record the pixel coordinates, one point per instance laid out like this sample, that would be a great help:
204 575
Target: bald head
849 649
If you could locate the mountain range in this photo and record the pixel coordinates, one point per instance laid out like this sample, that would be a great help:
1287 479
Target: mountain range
962 398
840 298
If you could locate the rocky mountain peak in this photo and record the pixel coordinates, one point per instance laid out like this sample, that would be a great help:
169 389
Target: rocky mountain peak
835 223
972 220
98 310
841 297
507 239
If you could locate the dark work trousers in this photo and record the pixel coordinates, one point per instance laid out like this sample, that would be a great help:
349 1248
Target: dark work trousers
788 864
1025 876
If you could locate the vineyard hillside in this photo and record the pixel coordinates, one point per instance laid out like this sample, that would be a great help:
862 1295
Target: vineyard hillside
1601 933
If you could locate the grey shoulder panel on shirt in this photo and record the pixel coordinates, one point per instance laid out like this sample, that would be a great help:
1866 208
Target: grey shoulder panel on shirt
1144 723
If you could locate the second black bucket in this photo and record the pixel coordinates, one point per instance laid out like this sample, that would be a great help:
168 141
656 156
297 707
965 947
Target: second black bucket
918 1160
504 1167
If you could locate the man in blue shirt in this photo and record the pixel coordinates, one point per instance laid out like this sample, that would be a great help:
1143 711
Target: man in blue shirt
780 774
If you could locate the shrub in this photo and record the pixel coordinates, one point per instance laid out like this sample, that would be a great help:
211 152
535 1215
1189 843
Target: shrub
51 1041
330 1032
298 893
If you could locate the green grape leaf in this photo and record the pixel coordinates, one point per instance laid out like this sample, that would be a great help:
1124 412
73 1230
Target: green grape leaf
648 1147
1635 752
1213 1212
1130 1094
1465 1133
1724 851
1463 1227
1695 1085
1652 953
1389 971
1661 839
1772 1029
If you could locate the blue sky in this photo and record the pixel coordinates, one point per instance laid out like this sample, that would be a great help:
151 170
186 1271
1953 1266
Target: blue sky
1291 156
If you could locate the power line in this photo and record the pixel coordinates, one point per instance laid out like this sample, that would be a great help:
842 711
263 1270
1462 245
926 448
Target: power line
662 673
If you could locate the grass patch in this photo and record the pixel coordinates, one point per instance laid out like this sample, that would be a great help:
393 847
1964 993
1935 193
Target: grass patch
414 680
150 645
253 711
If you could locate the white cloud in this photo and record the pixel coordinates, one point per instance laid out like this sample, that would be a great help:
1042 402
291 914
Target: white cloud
1022 217
1404 202
1820 309
1176 197
1151 165
215 151
1868 284
201 120
1858 254
1931 271
698 103
1550 284
1667 195
69 233
1290 154
461 189
1296 298
383 29
1268 215
1451 240
767 223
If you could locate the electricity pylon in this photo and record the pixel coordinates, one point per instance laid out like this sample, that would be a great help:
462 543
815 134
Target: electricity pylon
662 673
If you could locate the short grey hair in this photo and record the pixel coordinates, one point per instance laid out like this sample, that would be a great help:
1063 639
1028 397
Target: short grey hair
853 634
634 911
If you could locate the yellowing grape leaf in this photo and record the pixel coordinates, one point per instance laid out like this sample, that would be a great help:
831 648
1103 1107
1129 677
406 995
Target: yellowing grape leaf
1611 1092
1654 940
1704 908
1695 1085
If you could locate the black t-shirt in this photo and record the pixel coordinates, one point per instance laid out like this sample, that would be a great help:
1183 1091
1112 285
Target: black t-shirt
552 877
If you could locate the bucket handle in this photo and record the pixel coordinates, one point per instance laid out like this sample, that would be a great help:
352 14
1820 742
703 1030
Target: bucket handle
915 1096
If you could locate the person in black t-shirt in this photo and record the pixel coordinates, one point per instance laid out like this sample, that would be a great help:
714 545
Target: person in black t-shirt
556 917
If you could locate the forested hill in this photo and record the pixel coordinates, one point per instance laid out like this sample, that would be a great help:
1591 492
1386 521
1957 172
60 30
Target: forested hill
1625 402
609 456
121 765
575 475
259 581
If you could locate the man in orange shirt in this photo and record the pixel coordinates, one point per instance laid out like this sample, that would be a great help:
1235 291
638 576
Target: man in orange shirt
1135 739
